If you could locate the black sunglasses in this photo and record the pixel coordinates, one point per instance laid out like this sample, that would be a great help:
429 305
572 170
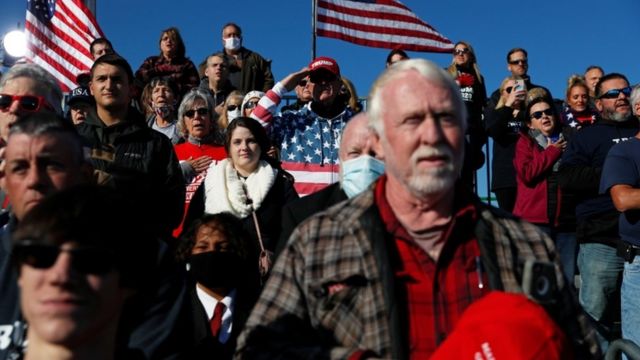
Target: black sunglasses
461 51
250 105
318 77
232 107
508 89
538 114
86 260
201 111
519 62
614 93
302 83
30 103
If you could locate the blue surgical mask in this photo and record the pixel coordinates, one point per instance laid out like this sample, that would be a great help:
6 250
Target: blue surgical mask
359 173
232 43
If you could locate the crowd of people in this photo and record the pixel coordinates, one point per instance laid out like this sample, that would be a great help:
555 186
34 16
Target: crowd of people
179 211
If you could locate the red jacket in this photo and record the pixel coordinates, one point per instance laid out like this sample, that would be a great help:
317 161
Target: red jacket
534 165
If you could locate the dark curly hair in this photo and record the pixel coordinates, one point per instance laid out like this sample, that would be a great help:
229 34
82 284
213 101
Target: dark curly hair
226 223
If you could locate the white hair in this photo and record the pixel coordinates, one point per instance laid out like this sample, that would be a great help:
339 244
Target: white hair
634 98
47 85
427 69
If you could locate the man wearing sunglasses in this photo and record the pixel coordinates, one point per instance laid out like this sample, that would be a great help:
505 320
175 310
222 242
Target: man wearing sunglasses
80 256
518 66
24 89
129 155
308 139
304 94
581 168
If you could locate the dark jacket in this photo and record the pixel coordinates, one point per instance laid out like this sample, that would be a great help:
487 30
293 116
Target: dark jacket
220 96
141 163
255 73
181 70
504 129
198 343
299 210
580 171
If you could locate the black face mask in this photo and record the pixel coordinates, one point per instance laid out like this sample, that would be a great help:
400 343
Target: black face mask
217 269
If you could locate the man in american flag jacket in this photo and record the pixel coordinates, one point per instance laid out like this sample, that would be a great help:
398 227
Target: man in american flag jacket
388 273
308 139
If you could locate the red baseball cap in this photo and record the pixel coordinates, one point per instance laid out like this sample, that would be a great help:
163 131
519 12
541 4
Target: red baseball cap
505 326
325 63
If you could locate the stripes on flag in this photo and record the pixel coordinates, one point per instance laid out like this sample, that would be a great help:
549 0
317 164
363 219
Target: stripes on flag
382 23
310 177
59 33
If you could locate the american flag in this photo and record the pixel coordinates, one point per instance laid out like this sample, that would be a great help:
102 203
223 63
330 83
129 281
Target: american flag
59 33
378 23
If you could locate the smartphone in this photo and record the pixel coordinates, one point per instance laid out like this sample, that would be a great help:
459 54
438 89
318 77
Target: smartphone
519 85
539 281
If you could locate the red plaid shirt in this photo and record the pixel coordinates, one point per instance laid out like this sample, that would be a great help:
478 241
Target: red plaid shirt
437 292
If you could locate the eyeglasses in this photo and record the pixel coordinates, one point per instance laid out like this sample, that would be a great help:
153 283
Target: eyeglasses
30 103
508 89
461 51
519 62
614 93
250 104
538 114
232 107
318 77
192 113
302 83
86 260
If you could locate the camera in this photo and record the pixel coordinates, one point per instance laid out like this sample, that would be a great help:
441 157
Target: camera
539 281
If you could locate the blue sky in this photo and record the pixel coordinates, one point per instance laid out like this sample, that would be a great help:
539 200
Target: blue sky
562 37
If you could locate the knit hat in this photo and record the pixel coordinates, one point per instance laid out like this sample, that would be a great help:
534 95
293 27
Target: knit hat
250 95
504 326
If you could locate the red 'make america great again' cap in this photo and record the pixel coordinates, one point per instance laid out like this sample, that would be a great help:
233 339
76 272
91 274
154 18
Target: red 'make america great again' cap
325 63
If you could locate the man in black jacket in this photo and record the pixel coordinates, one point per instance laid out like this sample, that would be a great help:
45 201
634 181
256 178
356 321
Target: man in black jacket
596 217
248 70
127 154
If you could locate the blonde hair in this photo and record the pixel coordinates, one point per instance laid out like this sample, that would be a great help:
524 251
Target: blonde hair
503 84
223 120
454 71
351 96
574 81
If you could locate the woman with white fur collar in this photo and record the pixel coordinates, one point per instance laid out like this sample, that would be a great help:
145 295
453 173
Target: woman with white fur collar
247 181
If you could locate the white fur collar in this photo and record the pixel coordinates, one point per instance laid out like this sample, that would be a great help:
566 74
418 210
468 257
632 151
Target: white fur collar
224 190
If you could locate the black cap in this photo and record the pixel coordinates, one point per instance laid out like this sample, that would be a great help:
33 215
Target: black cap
80 94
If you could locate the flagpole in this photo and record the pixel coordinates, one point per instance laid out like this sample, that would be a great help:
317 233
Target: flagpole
314 7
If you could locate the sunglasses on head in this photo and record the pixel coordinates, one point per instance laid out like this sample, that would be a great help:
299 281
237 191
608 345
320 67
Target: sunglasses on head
461 51
30 103
201 111
519 62
232 107
86 260
250 104
614 93
538 114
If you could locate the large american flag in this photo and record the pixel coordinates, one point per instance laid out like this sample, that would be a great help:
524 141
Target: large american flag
378 23
58 36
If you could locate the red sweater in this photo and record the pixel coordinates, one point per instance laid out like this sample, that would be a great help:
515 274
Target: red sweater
533 166
188 150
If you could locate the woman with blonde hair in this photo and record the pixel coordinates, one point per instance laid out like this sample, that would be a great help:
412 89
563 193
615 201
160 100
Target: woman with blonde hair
349 95
230 110
576 112
504 123
464 69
